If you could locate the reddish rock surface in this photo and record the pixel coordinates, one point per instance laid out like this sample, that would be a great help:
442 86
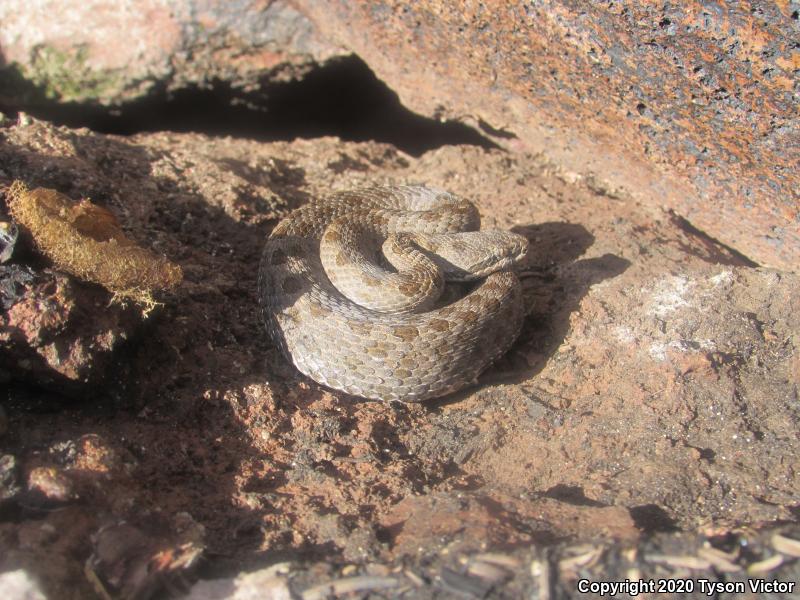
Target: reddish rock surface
652 391
692 105
62 334
498 521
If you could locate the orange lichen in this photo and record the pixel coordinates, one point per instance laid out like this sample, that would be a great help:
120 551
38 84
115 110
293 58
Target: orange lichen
86 241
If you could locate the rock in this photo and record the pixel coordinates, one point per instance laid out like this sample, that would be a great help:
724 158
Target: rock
58 333
468 522
92 453
86 54
131 563
8 238
9 486
246 586
689 105
51 484
14 280
19 585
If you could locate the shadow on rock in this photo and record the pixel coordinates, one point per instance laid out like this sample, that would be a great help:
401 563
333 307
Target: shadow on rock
554 283
186 422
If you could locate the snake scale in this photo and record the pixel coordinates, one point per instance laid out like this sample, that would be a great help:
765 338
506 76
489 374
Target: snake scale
350 291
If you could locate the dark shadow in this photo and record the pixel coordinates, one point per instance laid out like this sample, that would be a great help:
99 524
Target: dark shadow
172 414
706 454
342 98
13 281
795 510
651 518
554 285
495 132
726 542
37 396
554 282
717 252
571 494
538 531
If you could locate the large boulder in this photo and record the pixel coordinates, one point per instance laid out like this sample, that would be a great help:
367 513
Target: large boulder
692 105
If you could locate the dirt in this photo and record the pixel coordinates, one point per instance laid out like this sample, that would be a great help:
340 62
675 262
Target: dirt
653 390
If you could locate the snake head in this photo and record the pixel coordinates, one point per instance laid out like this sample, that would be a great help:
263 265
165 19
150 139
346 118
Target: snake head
505 251
472 255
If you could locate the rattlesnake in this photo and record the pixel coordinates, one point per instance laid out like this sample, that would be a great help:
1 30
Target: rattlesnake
352 322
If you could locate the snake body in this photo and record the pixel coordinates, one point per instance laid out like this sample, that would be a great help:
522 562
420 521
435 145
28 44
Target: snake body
352 322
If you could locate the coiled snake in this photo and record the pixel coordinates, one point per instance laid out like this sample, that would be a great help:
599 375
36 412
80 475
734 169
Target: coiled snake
372 324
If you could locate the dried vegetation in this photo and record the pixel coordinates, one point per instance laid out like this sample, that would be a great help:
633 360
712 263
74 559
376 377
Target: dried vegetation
86 241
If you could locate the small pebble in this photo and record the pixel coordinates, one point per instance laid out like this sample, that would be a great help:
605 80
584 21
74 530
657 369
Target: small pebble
51 483
8 238
20 585
8 477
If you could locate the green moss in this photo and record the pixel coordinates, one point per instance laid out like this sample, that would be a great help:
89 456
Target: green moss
58 75
66 76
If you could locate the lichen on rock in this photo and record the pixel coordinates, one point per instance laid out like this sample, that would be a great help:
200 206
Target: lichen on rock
64 74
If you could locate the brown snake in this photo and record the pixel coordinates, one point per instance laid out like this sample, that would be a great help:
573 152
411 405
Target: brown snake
372 324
